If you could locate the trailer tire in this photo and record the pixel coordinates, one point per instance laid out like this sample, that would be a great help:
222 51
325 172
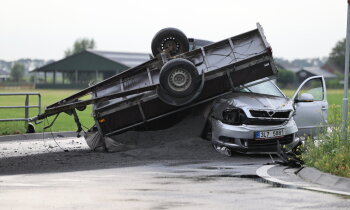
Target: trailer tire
81 108
30 128
169 40
179 78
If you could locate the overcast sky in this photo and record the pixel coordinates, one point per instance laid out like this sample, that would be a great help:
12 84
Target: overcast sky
44 29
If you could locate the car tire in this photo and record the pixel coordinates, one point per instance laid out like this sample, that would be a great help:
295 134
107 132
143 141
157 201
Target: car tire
169 40
179 78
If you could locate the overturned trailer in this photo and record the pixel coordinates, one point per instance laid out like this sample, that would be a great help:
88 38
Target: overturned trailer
176 79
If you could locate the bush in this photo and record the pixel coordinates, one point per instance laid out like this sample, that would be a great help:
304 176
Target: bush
17 72
285 78
330 152
334 84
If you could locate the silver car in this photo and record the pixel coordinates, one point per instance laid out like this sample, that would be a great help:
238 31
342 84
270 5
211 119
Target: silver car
253 119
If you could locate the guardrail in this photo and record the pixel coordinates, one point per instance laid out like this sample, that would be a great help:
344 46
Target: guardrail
28 126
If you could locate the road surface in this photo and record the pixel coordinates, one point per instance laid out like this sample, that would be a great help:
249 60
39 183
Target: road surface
182 174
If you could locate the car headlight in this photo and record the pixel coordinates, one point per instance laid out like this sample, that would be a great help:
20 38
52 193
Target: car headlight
233 116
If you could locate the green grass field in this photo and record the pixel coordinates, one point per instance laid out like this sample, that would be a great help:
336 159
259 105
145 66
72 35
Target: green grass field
66 122
63 123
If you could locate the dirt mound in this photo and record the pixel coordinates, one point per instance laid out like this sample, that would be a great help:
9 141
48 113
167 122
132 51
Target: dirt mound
177 144
180 141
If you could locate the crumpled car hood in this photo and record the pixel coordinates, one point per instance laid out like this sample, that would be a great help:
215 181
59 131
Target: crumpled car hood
252 101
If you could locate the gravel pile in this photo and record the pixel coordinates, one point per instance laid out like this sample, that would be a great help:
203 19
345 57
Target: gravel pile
178 143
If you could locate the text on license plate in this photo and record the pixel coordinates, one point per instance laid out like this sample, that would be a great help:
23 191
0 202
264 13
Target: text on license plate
270 134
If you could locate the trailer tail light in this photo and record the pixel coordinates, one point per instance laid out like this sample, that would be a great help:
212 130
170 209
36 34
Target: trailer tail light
103 120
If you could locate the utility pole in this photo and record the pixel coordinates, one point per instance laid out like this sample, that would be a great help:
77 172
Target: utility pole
346 76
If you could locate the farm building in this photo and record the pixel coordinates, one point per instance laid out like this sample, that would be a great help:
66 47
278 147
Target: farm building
78 70
306 72
4 75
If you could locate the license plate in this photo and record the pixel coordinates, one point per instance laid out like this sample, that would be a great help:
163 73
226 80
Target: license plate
270 134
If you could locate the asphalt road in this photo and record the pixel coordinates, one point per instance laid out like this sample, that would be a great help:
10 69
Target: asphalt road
189 174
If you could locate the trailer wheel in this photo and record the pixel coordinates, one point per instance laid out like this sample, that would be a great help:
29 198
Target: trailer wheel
30 128
81 108
170 40
179 77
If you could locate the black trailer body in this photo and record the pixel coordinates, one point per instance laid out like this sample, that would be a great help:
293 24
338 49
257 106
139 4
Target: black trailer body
143 94
223 66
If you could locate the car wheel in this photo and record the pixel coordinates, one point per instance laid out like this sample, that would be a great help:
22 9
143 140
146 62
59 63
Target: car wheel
170 40
179 78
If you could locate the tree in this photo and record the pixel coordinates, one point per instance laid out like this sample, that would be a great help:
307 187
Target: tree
80 45
17 72
337 55
285 78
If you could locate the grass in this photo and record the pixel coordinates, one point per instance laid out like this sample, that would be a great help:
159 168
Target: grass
331 152
63 123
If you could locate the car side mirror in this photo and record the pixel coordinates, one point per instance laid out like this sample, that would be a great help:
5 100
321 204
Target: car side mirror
305 97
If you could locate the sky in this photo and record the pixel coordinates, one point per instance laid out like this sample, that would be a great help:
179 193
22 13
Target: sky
44 29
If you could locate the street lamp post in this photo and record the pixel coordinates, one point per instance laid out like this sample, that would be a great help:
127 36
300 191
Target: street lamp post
346 76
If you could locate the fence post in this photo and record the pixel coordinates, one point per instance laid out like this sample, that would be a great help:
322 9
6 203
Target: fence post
346 78
26 112
39 108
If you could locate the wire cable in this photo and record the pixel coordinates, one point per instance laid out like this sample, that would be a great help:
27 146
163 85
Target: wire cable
65 150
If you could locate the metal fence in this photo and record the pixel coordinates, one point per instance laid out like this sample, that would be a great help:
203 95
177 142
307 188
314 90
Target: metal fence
26 107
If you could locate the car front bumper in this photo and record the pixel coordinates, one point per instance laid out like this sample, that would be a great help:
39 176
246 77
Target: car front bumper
242 138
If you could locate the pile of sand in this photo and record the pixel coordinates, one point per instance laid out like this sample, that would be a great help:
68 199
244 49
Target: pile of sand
179 143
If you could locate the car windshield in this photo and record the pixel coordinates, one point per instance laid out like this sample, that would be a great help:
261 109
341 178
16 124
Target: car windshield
267 87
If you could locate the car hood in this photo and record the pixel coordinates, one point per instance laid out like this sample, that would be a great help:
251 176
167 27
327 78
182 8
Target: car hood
257 101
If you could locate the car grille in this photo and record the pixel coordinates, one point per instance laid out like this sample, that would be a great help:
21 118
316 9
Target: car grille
270 114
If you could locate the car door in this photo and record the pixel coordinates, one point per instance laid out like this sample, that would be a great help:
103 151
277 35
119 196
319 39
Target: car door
311 106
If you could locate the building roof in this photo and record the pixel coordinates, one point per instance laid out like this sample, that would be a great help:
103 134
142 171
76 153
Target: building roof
4 74
317 71
126 58
92 60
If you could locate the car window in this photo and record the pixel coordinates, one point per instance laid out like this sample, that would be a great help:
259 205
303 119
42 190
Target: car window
313 87
264 88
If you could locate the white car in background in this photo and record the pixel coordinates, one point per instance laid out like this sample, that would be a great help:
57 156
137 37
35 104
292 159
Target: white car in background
254 119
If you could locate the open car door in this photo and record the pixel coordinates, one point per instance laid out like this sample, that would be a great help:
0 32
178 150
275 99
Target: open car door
311 106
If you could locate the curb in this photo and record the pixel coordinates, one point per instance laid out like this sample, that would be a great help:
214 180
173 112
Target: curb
315 176
23 137
307 185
